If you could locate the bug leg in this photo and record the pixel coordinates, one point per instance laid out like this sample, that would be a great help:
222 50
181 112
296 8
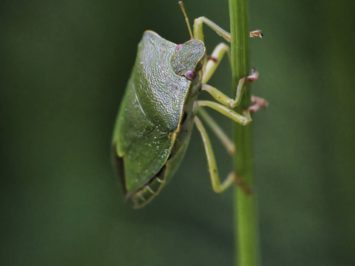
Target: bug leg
256 34
210 68
220 97
244 119
213 61
257 104
228 101
217 130
232 178
198 30
217 185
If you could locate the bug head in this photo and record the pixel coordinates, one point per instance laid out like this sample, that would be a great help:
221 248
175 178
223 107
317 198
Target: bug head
187 59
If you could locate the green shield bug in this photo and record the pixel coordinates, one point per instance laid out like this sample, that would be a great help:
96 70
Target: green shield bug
161 106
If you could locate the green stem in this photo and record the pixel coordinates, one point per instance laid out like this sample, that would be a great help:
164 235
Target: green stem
246 226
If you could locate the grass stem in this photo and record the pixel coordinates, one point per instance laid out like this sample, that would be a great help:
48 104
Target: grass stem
245 207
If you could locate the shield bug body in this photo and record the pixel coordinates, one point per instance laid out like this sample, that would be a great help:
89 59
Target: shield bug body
160 108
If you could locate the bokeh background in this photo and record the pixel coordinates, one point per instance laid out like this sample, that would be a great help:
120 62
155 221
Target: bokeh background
63 70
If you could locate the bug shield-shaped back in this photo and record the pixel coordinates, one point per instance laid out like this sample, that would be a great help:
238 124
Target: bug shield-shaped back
187 58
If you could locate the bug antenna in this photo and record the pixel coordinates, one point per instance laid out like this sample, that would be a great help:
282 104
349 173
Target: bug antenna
182 7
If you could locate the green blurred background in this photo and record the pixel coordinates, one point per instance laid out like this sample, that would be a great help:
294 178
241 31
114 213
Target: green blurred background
63 70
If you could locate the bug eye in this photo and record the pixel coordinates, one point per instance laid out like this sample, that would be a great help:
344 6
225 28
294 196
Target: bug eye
190 74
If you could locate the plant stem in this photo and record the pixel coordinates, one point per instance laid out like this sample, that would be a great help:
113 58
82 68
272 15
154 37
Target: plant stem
246 226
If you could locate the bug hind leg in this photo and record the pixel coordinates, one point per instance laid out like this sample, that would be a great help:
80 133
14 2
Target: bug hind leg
217 185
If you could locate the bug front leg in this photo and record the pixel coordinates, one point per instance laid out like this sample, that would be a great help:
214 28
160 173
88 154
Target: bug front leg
198 30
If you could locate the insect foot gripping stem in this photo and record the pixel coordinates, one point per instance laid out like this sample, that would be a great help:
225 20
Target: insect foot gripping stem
242 184
253 76
256 34
258 103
